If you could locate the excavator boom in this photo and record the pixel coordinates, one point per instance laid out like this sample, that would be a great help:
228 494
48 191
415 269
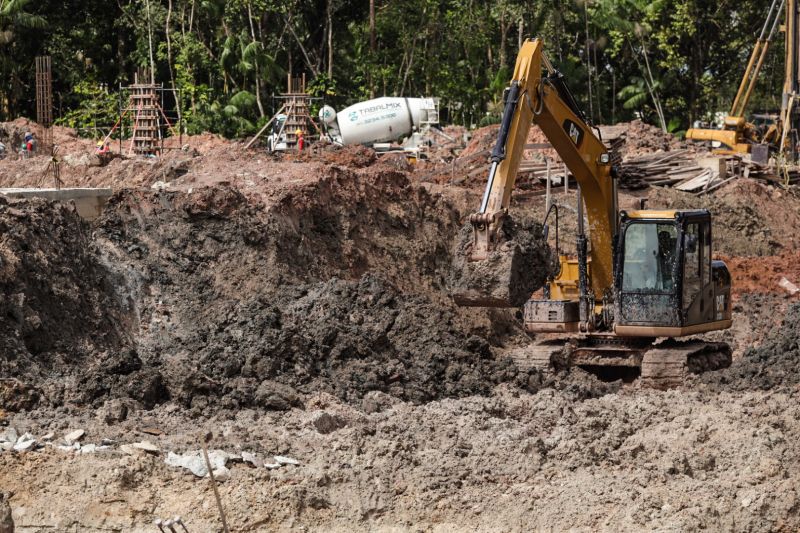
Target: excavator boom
544 100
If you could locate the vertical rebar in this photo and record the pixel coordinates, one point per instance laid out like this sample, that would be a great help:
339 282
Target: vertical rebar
44 101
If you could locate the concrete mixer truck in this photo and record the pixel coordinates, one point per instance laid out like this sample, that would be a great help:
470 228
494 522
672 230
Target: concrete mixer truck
379 122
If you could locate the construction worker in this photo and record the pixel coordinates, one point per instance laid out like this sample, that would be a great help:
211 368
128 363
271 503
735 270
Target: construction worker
29 144
300 140
102 147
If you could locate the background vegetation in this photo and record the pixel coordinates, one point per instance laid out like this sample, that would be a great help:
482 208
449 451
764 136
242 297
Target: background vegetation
667 61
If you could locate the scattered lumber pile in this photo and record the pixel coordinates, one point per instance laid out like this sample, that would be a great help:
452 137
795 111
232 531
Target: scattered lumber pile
644 156
682 170
662 169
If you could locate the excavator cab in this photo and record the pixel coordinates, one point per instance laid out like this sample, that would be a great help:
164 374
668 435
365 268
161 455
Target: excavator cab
666 283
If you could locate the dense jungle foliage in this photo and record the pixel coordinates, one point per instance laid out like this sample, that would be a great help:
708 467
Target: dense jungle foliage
669 62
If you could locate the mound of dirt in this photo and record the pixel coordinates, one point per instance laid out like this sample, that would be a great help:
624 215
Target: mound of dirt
344 337
58 309
771 366
641 138
212 297
482 139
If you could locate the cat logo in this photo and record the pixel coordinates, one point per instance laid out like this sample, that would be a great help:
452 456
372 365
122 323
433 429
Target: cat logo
575 133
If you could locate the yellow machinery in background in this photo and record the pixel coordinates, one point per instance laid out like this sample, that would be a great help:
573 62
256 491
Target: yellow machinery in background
738 135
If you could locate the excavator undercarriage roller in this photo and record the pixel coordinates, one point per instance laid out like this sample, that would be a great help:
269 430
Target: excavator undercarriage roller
658 366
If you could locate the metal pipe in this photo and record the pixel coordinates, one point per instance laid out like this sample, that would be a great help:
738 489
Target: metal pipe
489 184
582 265
747 79
547 198
499 150
762 56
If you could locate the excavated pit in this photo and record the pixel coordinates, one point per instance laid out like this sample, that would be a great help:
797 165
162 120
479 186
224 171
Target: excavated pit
301 309
215 299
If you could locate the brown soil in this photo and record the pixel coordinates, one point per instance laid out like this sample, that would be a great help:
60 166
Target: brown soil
253 296
642 138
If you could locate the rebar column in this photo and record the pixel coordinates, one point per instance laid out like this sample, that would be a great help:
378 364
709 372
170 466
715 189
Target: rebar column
44 102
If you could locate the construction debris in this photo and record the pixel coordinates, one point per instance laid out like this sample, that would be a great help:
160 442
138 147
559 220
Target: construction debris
193 461
74 436
790 287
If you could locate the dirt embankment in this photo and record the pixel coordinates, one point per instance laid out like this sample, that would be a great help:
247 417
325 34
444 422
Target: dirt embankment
58 309
771 366
335 285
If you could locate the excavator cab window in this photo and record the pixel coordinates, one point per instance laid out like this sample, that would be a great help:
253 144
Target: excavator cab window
647 272
649 261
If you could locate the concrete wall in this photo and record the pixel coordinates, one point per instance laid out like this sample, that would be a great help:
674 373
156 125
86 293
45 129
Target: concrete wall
89 202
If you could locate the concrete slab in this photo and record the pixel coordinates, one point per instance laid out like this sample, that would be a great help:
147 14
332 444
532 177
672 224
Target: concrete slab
88 201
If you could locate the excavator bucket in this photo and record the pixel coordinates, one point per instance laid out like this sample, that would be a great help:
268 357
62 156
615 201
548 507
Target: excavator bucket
498 263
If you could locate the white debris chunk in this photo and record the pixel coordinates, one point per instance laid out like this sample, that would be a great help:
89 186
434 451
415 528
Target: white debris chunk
24 443
9 435
281 460
146 446
196 464
788 286
251 458
74 436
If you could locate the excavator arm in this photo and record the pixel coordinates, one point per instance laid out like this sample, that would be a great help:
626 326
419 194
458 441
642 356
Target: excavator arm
538 95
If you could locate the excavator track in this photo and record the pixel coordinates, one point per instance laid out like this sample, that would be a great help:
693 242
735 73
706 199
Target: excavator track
543 356
667 365
663 366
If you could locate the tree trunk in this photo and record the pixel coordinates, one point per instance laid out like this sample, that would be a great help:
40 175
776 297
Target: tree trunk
372 26
503 37
309 63
588 58
652 84
169 59
372 47
191 17
330 39
255 63
150 43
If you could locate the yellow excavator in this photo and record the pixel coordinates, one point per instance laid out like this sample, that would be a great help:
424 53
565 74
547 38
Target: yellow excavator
640 276
737 134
